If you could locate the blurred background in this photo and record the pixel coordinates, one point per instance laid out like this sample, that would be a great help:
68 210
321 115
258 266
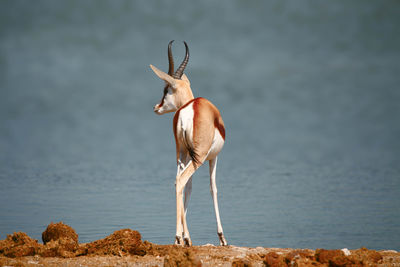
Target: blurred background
309 92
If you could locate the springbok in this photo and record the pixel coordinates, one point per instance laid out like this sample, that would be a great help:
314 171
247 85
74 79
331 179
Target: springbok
199 136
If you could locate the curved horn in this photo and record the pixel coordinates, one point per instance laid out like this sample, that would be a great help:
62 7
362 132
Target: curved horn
170 59
179 72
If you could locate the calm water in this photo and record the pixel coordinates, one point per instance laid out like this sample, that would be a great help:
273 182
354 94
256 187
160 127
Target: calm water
309 93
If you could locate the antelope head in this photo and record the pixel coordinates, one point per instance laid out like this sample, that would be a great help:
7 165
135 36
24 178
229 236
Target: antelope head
177 90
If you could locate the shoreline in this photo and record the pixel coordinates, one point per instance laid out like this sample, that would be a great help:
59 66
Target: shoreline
125 248
207 255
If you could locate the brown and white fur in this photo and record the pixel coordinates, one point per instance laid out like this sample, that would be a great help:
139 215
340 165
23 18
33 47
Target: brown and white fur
199 136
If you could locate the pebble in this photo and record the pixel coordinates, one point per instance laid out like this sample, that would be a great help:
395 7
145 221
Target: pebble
346 251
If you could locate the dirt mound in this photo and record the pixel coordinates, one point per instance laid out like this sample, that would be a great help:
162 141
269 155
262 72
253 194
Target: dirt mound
19 245
359 257
120 243
323 257
334 258
173 255
365 255
60 241
241 263
180 257
273 259
297 257
56 231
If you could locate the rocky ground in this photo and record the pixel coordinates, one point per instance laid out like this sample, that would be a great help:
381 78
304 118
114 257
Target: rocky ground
125 248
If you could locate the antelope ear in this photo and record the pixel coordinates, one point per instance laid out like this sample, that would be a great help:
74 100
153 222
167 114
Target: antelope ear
185 78
163 76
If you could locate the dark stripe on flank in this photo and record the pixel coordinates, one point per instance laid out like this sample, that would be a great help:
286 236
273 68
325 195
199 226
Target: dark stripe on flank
220 127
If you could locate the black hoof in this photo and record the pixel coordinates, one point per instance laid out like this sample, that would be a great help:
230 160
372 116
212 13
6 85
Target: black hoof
222 240
188 241
178 241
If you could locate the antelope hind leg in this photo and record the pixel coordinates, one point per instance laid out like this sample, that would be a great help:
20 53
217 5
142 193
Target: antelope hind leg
181 225
213 189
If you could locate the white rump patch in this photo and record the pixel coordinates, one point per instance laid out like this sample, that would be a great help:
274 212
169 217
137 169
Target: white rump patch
184 129
216 146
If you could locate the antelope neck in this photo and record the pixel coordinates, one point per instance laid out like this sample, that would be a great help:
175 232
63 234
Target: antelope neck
185 105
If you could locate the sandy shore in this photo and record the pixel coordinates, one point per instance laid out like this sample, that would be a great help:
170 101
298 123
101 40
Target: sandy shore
125 248
215 256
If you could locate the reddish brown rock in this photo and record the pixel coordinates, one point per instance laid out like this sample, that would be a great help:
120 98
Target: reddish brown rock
241 263
56 231
301 258
335 258
177 256
366 256
121 242
19 245
299 253
273 259
60 241
305 262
